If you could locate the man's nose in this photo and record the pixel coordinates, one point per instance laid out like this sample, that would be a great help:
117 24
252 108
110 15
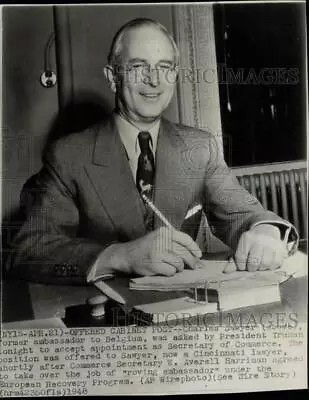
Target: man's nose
151 77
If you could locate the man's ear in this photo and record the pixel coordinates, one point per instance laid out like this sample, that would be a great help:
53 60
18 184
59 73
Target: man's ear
110 76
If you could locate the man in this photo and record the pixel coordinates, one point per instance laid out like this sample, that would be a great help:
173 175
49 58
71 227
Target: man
88 217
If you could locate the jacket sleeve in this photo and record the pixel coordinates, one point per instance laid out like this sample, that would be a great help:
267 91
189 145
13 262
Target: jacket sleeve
48 249
231 209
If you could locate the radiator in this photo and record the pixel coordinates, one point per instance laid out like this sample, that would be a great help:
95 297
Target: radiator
283 192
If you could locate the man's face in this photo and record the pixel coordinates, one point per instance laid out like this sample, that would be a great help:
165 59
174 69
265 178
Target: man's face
147 80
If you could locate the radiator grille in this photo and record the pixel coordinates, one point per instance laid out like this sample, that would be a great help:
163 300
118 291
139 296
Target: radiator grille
283 192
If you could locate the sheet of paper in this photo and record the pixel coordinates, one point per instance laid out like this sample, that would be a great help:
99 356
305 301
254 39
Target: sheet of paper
35 324
212 271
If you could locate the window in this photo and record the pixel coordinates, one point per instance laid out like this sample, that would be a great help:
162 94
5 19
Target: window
261 72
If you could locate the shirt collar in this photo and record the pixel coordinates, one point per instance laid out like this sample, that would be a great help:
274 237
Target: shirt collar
129 135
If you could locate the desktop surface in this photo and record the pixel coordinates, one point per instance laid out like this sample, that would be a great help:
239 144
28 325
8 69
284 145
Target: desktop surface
23 300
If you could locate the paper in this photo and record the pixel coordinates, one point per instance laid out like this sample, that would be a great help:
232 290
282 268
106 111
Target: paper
35 324
212 271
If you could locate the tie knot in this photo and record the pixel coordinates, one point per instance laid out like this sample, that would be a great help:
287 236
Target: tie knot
143 139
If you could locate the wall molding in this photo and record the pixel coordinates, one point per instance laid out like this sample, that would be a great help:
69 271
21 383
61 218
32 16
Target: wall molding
63 55
197 88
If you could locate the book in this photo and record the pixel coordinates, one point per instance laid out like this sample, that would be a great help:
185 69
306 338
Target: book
220 295
213 271
176 309
232 294
228 291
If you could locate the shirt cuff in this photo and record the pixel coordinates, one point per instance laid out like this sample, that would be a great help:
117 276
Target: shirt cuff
94 272
289 234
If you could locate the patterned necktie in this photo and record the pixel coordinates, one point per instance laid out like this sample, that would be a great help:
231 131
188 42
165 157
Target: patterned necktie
145 166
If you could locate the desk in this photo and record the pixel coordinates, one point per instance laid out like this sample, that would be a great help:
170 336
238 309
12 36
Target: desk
37 301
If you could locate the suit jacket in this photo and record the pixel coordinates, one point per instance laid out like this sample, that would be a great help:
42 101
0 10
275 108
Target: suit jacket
84 198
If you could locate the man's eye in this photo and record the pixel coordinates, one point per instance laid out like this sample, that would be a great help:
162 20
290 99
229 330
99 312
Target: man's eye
165 67
137 66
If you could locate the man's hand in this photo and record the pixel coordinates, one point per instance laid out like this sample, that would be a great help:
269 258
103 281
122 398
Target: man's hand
259 249
162 252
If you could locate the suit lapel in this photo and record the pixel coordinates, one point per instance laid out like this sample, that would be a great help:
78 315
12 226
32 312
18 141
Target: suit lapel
112 179
172 185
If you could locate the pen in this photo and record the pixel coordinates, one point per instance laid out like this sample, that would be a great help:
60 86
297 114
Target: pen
161 216
108 291
156 211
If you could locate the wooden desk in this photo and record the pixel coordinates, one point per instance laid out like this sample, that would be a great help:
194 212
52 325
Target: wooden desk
28 301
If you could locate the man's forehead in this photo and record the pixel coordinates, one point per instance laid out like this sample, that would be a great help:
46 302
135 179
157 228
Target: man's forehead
147 40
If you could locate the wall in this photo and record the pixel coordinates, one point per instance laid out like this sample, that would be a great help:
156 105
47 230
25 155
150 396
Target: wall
30 111
92 30
28 108
30 114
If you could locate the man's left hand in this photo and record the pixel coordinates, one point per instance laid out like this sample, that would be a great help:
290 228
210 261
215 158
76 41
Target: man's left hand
259 249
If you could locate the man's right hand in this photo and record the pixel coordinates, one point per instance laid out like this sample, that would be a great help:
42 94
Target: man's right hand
162 252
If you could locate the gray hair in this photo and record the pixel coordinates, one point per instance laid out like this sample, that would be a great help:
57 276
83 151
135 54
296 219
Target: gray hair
115 53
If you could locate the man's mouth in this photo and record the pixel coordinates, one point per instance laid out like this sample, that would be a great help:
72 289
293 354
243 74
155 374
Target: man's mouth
150 95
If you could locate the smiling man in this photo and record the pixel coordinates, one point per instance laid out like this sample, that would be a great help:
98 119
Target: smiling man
143 61
88 218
